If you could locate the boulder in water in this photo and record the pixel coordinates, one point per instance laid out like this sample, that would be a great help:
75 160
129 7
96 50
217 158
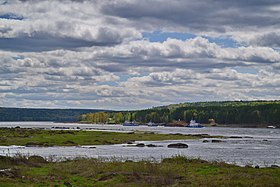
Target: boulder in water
130 141
216 141
178 145
152 145
140 145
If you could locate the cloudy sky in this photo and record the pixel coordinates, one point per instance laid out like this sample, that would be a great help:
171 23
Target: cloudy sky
133 54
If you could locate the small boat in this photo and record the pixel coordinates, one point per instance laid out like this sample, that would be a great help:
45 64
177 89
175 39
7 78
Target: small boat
194 124
130 123
151 124
271 127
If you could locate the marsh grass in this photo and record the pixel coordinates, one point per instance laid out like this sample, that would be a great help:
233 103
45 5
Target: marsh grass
176 171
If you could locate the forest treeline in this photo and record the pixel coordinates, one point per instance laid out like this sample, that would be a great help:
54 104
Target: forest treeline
228 112
56 115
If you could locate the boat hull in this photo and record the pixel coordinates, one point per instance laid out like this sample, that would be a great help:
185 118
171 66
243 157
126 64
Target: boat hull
199 126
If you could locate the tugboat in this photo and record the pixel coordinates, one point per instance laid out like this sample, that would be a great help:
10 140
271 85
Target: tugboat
193 124
129 123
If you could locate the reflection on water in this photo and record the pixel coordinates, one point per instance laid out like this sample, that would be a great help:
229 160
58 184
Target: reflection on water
256 147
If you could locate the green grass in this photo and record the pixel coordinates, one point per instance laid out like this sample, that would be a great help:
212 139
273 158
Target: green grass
13 136
177 171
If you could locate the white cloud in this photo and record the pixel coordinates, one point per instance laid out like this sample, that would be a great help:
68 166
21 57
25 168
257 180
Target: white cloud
91 54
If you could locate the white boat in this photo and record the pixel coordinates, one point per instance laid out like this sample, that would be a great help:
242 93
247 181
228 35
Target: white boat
151 124
194 124
129 123
271 127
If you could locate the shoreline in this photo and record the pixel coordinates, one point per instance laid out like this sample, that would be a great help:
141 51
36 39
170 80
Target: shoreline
175 171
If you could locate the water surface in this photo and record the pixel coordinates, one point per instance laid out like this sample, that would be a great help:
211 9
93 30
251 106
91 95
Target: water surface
254 146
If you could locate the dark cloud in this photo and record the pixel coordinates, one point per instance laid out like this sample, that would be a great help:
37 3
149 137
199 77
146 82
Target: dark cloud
44 42
270 39
213 15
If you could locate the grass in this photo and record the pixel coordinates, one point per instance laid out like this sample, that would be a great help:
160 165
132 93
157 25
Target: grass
31 137
176 171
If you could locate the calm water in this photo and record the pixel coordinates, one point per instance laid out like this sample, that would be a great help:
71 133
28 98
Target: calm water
256 147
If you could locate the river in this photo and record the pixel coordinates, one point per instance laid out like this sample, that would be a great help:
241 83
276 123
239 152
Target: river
247 146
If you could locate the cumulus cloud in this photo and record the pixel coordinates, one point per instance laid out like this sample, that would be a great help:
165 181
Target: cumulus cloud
92 54
271 39
50 25
241 20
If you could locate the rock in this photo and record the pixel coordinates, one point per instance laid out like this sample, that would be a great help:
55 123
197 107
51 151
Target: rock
178 145
248 137
67 184
140 145
106 176
151 145
274 166
205 135
205 141
11 173
32 144
17 127
235 137
176 134
130 142
36 159
216 141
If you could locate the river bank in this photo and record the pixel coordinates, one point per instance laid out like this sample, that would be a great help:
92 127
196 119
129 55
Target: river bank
176 171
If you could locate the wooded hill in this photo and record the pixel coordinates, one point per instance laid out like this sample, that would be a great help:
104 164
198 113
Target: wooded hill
29 114
227 112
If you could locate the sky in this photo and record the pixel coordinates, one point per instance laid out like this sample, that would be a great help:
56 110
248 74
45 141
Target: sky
135 54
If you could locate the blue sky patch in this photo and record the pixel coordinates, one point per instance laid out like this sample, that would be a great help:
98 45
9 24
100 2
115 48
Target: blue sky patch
159 36
10 16
224 42
249 70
